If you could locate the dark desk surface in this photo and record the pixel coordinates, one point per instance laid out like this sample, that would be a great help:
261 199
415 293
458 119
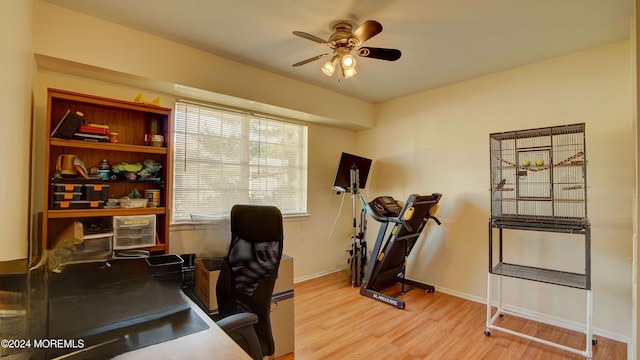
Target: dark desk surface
212 343
121 310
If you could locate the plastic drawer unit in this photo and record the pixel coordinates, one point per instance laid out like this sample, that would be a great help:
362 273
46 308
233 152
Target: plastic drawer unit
134 231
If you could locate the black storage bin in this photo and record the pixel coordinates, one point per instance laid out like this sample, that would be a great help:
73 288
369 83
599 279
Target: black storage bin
165 267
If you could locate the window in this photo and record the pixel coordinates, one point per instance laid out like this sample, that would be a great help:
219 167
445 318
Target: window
224 157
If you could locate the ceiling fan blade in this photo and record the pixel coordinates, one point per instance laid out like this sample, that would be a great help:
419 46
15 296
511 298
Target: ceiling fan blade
309 37
310 59
367 30
380 53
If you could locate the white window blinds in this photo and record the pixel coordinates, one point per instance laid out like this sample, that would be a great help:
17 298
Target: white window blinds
224 157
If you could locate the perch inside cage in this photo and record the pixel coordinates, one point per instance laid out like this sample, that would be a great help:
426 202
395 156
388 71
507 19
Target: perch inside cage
569 182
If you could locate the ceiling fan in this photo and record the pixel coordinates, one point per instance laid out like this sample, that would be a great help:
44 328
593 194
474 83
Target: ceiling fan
344 41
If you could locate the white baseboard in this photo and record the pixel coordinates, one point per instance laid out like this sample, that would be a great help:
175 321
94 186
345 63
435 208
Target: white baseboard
319 274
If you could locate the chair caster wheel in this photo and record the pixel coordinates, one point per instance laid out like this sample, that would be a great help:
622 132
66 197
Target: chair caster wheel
487 332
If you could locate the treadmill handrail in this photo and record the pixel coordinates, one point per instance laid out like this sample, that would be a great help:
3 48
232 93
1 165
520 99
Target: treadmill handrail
400 219
383 219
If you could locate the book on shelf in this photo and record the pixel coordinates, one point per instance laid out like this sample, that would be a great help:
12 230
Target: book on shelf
91 137
68 125
87 129
98 125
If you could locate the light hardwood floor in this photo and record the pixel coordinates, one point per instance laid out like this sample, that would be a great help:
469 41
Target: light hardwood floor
333 321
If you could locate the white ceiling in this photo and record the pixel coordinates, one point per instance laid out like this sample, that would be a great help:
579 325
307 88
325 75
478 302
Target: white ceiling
442 41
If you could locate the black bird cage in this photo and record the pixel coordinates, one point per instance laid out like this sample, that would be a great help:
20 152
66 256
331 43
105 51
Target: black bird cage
539 173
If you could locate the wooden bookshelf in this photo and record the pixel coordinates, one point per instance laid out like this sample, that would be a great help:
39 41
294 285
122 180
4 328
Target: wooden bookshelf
131 121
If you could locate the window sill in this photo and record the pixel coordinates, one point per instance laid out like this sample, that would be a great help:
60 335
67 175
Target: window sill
218 222
295 217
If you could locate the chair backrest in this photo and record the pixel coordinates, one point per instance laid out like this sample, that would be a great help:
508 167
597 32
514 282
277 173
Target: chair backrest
249 272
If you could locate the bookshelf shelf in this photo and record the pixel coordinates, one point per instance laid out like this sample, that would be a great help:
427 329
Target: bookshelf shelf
81 144
85 213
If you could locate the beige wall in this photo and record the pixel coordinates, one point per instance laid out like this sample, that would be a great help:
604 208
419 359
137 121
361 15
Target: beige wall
16 73
635 36
65 35
438 142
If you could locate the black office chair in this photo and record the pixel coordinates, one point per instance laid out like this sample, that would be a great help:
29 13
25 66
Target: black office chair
248 275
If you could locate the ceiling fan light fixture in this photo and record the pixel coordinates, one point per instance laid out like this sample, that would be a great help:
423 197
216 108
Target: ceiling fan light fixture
330 66
348 61
349 72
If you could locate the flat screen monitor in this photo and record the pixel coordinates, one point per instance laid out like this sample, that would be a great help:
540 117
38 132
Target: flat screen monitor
342 181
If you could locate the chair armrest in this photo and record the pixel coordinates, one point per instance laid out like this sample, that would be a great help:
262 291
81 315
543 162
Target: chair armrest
237 321
242 325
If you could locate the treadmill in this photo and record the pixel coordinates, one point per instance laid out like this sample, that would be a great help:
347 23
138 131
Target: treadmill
387 265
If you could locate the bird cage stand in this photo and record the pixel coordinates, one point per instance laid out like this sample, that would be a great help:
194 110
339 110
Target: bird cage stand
538 183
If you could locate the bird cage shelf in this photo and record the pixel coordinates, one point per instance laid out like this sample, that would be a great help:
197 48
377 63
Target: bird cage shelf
539 174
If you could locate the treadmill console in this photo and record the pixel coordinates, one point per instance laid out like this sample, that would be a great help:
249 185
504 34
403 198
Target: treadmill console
385 207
